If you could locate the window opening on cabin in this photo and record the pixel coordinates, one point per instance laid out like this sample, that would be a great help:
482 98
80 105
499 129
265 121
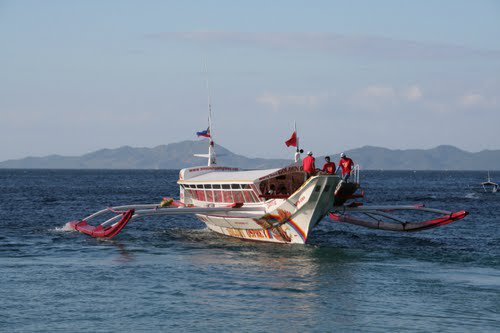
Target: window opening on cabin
281 186
237 196
210 196
221 193
227 196
248 196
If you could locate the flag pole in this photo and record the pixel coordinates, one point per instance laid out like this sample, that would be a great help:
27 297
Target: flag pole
297 151
297 134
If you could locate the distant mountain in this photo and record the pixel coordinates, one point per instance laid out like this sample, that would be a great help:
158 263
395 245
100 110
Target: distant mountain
172 156
439 158
180 155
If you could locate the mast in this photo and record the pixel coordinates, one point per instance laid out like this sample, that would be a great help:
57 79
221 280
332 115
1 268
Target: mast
297 134
211 146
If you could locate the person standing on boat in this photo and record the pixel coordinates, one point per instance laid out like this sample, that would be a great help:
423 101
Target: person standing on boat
297 154
329 167
308 164
346 164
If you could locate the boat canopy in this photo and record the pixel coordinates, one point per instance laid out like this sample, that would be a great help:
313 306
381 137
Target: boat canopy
232 177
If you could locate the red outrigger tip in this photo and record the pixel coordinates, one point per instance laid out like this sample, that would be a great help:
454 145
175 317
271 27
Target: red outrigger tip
405 226
99 230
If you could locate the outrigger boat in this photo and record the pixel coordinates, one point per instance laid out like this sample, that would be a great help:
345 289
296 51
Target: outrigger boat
240 203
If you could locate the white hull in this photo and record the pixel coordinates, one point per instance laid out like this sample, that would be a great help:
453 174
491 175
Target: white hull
285 220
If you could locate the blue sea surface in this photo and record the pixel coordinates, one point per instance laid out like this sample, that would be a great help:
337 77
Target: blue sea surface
172 274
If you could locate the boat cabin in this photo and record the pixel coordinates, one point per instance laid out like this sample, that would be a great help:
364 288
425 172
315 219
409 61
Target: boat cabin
221 185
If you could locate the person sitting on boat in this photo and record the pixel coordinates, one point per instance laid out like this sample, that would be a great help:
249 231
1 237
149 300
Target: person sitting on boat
282 190
329 167
346 164
308 164
272 190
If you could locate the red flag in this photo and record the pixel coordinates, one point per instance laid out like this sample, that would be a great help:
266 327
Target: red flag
292 141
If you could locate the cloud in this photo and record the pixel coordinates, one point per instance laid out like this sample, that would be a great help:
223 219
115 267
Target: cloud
276 101
332 43
388 93
372 97
472 100
384 97
477 100
412 93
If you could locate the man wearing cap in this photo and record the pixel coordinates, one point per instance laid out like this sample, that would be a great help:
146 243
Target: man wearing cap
346 164
308 164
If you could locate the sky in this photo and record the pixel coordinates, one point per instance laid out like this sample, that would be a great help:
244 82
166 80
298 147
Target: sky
78 76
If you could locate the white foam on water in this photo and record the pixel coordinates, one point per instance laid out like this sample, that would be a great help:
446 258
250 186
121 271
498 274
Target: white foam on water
64 228
472 195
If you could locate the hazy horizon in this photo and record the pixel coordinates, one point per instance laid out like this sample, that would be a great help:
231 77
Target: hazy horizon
85 75
289 156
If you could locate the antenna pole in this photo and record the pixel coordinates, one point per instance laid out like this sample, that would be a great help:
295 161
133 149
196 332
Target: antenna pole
211 151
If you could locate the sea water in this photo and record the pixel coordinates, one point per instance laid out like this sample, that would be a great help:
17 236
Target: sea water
172 274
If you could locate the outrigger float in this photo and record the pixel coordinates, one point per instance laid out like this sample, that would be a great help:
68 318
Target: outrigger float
242 204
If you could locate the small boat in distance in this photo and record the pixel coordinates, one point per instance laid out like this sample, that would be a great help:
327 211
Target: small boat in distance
489 186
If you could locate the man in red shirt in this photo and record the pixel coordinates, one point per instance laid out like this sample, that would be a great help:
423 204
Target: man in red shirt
329 167
346 164
308 164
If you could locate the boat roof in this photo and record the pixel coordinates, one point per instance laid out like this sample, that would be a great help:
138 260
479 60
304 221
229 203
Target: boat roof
233 175
248 176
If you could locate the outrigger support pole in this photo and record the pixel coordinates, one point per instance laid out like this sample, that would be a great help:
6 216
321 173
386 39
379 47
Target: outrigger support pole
124 214
381 214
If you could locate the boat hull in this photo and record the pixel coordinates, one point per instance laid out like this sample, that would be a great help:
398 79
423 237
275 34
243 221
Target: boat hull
285 220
